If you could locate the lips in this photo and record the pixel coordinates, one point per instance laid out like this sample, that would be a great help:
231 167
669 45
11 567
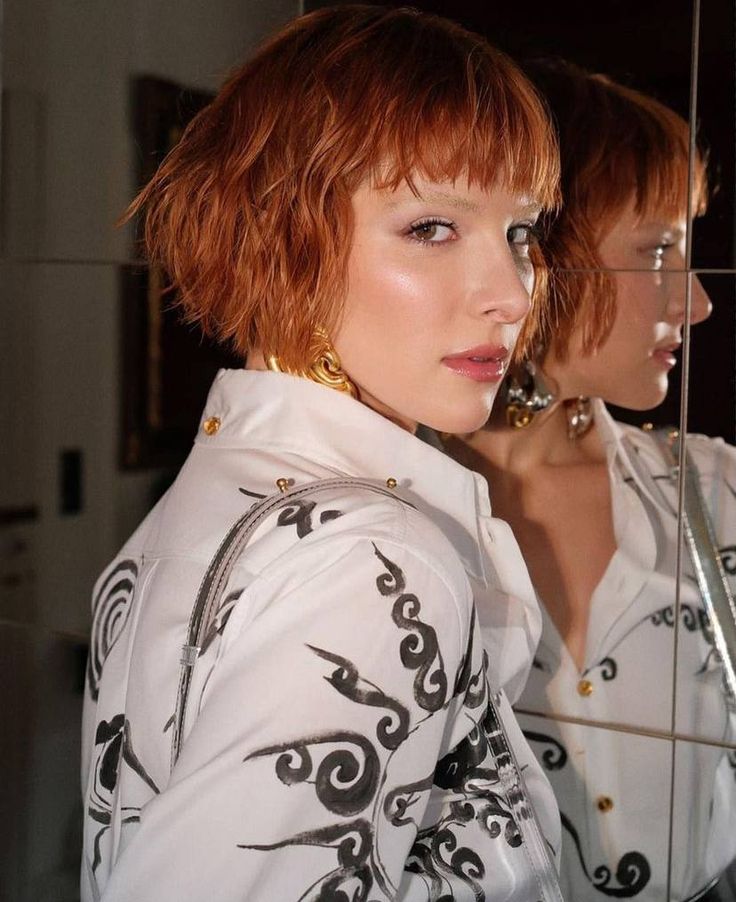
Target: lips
665 354
485 363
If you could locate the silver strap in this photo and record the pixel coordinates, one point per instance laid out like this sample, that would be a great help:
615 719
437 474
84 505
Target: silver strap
706 560
525 816
202 620
218 573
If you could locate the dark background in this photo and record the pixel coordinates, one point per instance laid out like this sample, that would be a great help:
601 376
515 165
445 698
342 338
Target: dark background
648 45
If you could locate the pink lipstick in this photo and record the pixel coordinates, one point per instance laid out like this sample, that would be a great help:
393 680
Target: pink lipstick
485 363
665 355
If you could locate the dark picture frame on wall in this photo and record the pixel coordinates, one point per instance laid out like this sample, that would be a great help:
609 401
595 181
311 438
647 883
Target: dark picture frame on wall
167 365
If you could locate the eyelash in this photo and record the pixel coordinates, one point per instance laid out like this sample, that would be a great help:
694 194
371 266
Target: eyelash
424 223
533 234
532 230
658 252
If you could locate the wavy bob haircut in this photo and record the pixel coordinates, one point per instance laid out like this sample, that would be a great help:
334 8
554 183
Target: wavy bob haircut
616 144
250 214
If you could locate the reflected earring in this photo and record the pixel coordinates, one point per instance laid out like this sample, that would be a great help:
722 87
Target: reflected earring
579 417
324 367
526 394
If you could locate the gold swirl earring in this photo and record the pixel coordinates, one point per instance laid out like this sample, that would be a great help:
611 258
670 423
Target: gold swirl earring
325 367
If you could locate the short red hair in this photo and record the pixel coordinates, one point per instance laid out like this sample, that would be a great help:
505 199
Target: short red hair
250 214
616 144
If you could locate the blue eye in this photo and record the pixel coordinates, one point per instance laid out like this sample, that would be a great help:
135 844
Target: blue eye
433 231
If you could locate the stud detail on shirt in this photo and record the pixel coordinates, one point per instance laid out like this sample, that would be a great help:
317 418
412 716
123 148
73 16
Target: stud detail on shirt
282 484
391 482
604 804
585 688
211 425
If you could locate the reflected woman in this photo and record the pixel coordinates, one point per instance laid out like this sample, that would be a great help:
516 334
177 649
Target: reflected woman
287 698
595 513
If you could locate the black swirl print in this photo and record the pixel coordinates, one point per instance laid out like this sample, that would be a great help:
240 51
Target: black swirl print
631 875
392 729
110 611
420 649
633 871
113 748
554 757
346 770
298 513
345 778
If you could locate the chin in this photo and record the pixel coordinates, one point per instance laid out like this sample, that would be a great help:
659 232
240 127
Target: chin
641 400
458 420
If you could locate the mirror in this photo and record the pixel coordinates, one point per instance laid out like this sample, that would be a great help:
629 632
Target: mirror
637 739
645 672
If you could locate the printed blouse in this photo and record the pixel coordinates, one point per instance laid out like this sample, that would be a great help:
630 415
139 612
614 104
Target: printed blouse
339 742
613 785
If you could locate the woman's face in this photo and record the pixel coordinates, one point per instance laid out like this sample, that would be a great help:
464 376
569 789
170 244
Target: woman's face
632 367
438 286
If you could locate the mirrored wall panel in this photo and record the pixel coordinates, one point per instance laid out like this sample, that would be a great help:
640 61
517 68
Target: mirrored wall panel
703 826
706 626
628 705
714 234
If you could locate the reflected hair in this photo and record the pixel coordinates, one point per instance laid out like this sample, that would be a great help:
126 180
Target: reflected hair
616 144
250 214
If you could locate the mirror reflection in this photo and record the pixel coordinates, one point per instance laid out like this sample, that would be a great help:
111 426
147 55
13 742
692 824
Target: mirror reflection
594 502
627 656
707 607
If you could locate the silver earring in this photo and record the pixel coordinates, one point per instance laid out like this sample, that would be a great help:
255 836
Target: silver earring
526 394
579 417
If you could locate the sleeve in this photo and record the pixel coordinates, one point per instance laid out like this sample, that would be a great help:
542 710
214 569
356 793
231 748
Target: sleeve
310 767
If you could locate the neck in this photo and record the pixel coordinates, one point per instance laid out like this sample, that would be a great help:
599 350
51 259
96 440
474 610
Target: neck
545 442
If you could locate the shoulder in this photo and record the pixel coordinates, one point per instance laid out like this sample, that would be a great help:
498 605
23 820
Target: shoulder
342 529
328 524
713 456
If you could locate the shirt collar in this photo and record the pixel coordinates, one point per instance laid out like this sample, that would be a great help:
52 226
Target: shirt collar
625 445
291 415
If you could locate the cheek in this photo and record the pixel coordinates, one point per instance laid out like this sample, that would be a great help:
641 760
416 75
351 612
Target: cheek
397 295
640 301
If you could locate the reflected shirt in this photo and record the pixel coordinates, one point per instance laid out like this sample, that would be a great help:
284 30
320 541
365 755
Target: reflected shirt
613 787
342 744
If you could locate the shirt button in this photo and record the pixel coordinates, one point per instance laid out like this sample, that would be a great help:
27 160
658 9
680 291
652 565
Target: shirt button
585 688
604 804
211 425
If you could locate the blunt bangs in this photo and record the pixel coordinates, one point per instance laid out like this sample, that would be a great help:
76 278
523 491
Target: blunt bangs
616 144
251 214
653 159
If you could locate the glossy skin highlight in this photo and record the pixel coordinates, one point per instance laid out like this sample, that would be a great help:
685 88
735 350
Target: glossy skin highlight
434 275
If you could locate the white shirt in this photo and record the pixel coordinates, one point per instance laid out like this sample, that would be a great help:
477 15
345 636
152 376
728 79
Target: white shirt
628 679
347 662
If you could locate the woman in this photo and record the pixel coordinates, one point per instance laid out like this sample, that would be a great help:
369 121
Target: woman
595 513
354 213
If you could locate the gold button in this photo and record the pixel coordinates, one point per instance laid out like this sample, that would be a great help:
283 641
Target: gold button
211 425
604 804
585 688
283 484
391 482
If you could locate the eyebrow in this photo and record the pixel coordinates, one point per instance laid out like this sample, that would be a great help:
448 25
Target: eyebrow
452 200
660 228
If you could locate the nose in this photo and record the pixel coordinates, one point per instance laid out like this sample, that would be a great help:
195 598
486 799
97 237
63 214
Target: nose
503 287
700 304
